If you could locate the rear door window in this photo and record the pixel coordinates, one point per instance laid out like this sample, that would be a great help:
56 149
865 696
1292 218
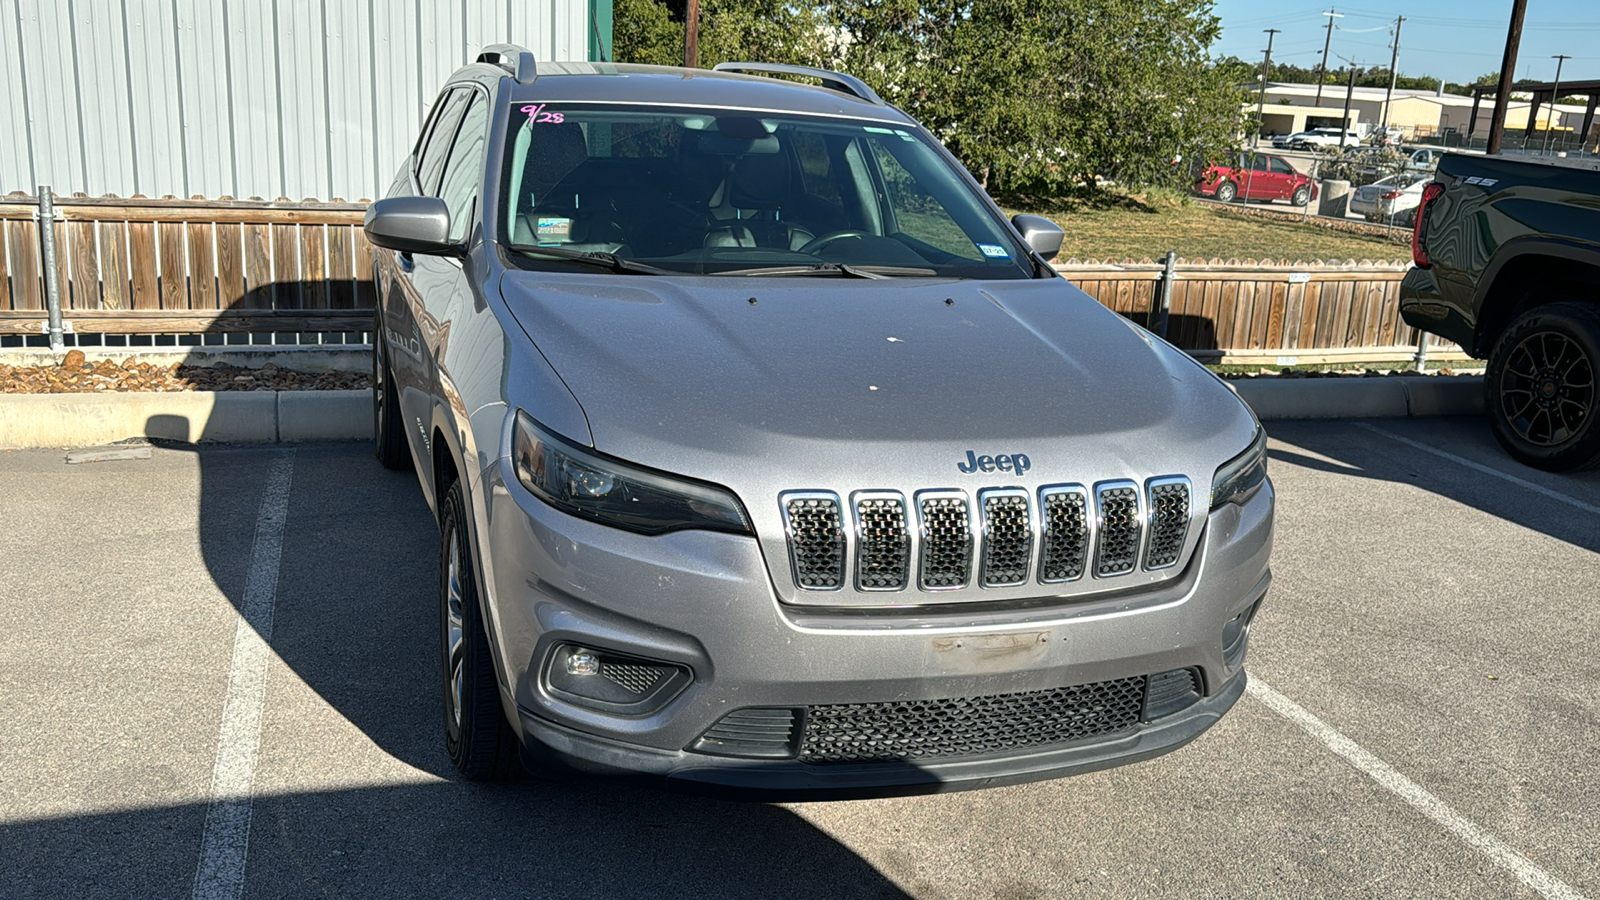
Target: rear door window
436 147
464 171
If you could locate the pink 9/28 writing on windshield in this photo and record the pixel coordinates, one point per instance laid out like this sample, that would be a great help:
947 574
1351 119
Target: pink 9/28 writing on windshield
536 114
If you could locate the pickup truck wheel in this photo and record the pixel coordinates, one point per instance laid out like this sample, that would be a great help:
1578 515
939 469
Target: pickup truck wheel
1302 196
478 738
1540 389
1226 192
388 441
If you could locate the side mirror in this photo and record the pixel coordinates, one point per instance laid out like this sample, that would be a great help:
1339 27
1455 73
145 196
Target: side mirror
1043 235
410 225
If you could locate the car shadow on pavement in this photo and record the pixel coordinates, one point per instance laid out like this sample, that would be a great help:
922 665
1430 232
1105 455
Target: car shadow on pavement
1359 453
355 619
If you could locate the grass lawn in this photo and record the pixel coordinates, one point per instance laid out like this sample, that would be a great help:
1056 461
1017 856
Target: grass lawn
1117 226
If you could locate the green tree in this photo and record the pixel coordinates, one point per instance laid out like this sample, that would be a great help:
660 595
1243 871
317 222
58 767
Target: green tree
652 31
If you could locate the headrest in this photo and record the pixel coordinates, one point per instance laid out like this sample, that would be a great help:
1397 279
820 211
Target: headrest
557 149
760 181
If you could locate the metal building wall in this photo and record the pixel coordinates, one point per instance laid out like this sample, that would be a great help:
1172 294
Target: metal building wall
293 98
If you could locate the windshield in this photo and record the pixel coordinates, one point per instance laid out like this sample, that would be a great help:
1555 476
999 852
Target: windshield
733 192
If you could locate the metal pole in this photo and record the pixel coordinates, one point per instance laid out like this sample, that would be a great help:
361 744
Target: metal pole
47 253
1555 93
1508 66
1349 89
1162 301
1266 71
1394 74
1322 70
1421 360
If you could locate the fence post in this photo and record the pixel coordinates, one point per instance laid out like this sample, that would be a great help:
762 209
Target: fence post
1162 301
47 253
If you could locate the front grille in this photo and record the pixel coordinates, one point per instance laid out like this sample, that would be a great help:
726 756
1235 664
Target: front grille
946 542
1119 529
1066 534
883 548
969 726
1169 522
1007 537
816 541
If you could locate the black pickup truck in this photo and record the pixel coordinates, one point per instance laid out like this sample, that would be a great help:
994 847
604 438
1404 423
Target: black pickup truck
1508 266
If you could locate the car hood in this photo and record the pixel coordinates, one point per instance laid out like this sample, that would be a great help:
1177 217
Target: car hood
837 381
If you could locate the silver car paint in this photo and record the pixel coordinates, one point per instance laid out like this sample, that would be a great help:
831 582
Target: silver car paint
686 375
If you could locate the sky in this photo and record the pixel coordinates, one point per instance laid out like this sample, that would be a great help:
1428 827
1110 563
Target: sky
1456 41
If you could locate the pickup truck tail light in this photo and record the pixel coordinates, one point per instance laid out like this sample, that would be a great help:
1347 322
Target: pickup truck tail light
1418 254
1392 195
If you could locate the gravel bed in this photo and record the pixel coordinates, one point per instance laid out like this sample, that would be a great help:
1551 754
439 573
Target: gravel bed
76 375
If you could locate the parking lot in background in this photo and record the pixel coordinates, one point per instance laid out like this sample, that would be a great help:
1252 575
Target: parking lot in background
1421 722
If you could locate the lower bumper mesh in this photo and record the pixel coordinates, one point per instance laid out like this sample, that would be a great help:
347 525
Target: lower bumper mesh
969 726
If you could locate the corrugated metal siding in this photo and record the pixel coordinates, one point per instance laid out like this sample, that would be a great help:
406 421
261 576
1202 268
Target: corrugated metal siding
268 98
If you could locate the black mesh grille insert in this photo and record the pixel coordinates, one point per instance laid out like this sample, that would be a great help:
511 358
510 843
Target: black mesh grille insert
1007 540
635 679
968 726
883 554
816 542
1119 531
946 542
1169 524
1066 536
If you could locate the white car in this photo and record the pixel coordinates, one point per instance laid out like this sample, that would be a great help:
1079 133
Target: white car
1393 199
1321 137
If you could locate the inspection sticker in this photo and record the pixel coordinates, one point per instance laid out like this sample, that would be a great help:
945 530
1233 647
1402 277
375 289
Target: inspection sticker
994 251
554 227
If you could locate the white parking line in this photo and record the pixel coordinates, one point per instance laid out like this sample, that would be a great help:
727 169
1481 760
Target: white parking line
226 844
1487 470
1498 851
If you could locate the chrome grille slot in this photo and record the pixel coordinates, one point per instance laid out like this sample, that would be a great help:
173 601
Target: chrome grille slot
1064 519
1120 527
883 542
946 541
1007 536
1169 521
816 539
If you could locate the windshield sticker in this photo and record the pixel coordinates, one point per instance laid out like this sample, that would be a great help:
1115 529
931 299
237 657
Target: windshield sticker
537 114
553 228
869 128
994 251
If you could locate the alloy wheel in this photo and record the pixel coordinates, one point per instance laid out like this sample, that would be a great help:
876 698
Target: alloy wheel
454 631
1548 390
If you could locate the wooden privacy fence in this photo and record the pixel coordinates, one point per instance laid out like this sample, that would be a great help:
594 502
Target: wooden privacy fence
171 266
144 266
1261 312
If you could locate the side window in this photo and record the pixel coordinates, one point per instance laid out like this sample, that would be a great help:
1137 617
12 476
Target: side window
464 172
1260 164
920 216
816 168
437 144
1281 167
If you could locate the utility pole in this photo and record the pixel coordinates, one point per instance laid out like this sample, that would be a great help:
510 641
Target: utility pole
691 35
1394 75
1508 67
1322 70
1266 70
1554 93
1344 123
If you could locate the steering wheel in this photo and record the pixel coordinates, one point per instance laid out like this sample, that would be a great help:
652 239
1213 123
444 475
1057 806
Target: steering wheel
817 243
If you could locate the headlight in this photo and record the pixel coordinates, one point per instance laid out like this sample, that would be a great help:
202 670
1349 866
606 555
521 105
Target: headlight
584 483
1238 479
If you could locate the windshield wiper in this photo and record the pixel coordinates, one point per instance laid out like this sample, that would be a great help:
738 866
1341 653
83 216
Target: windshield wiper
846 269
595 258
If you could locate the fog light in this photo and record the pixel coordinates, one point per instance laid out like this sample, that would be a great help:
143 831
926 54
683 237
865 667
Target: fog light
583 662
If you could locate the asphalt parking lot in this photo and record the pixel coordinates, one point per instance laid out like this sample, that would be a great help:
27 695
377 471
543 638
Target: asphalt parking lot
217 679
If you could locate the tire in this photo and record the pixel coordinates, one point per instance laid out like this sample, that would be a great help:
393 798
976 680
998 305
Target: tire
1540 390
1227 192
1301 196
388 435
478 738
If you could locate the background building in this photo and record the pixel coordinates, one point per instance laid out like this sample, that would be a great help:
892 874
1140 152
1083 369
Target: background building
1291 108
290 98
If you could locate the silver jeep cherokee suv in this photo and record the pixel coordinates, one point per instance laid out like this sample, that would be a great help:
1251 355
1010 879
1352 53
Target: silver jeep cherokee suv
718 513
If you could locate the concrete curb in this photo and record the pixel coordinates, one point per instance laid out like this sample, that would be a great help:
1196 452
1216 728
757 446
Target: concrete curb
245 417
268 417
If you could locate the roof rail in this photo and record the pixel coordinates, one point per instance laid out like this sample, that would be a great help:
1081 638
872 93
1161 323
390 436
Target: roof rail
847 84
516 60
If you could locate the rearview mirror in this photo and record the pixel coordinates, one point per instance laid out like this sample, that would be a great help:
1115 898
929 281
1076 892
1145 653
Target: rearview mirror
1041 234
410 225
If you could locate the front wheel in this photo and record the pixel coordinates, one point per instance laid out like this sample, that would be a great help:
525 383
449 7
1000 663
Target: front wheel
1302 196
478 738
1540 390
1227 192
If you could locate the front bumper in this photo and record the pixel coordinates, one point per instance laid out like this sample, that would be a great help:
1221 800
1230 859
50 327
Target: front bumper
704 602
